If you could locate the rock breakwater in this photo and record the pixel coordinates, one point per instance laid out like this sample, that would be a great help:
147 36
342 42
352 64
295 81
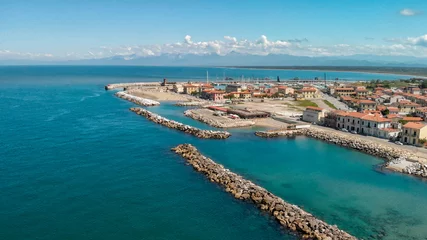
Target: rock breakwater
290 216
179 126
357 143
138 100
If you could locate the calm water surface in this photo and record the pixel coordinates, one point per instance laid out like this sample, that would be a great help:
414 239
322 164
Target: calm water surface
75 163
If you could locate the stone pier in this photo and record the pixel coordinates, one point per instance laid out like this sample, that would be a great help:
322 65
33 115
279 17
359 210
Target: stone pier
289 216
179 126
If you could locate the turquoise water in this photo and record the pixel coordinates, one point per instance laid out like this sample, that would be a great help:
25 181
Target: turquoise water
75 163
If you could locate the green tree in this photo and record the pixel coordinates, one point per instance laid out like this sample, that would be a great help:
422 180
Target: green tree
385 112
424 84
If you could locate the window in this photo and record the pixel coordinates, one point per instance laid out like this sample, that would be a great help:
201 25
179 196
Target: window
406 131
375 125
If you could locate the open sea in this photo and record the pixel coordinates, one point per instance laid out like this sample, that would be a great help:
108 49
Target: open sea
75 163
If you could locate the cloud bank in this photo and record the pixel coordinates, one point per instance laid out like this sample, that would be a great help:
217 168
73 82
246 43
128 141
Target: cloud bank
410 46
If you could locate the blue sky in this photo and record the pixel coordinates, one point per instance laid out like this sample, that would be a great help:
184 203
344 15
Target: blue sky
100 28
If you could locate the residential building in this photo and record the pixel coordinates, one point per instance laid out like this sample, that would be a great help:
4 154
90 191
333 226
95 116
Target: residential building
371 125
233 88
361 92
190 88
412 132
407 107
245 95
309 93
286 90
344 91
421 112
178 88
412 119
393 110
213 95
314 115
367 105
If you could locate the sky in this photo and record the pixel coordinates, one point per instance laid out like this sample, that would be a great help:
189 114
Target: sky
75 29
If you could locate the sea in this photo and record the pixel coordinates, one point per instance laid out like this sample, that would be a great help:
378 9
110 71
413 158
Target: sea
75 163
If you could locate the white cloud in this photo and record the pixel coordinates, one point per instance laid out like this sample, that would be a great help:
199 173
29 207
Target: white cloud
409 12
187 39
410 46
419 41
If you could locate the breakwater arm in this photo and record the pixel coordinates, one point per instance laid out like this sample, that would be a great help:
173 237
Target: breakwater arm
290 216
136 84
395 157
138 100
179 126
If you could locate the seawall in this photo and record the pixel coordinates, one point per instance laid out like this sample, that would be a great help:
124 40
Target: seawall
179 126
392 155
289 216
138 100
126 85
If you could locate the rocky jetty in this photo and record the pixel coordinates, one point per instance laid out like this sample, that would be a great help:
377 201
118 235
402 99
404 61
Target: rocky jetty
274 134
224 123
416 169
290 216
138 100
127 85
357 143
182 127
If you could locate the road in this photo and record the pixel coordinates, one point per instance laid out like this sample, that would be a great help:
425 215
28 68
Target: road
336 102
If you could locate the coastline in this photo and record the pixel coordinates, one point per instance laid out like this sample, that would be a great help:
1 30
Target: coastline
327 70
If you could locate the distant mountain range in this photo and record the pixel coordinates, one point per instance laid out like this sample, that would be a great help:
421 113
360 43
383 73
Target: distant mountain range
237 59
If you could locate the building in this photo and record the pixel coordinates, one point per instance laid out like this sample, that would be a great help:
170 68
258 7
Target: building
245 95
286 90
314 115
344 91
413 132
372 124
190 88
233 88
308 93
407 107
178 88
350 120
421 112
367 124
412 119
361 92
367 105
213 95
393 110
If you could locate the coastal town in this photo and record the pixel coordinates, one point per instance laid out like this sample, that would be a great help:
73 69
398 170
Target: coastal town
397 114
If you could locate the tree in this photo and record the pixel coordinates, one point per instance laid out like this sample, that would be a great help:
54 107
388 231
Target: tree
385 112
424 84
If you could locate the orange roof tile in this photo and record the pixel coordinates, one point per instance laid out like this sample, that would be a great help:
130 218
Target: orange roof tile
414 125
314 108
394 116
412 119
356 114
366 102
375 118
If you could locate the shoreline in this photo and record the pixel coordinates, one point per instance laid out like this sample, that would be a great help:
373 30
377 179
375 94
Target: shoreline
396 160
287 215
329 70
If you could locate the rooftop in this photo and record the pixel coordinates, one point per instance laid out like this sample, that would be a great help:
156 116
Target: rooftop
414 125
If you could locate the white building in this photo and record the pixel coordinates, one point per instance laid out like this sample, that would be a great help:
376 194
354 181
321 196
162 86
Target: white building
314 115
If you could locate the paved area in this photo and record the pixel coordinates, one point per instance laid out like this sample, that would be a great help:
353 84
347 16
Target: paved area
339 105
